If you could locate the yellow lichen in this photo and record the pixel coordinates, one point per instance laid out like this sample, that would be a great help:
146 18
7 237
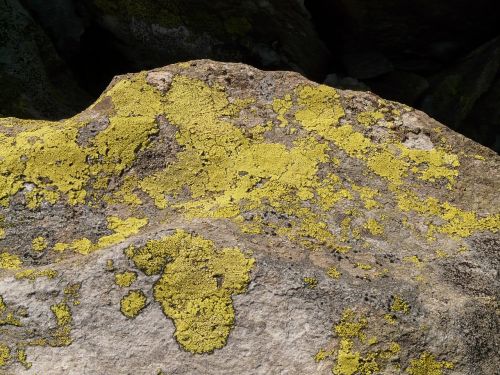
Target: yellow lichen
33 274
427 365
369 118
348 361
458 223
374 227
364 266
310 282
400 305
4 354
125 279
322 354
72 292
350 326
353 355
62 333
389 318
333 273
46 157
22 358
281 107
196 286
122 229
39 244
413 259
110 265
62 313
132 304
10 261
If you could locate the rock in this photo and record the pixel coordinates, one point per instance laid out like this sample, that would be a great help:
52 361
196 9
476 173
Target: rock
206 217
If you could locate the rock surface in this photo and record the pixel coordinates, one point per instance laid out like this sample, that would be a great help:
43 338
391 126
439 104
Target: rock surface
213 218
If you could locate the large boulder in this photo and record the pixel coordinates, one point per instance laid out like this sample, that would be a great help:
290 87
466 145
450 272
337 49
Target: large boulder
213 218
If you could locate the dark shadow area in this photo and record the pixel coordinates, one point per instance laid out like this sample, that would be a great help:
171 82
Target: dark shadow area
441 57
97 61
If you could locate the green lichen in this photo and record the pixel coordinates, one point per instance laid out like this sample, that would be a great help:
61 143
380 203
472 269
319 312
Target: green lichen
132 304
196 286
427 364
125 279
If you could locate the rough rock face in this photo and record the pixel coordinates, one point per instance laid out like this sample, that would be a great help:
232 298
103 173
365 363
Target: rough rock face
213 218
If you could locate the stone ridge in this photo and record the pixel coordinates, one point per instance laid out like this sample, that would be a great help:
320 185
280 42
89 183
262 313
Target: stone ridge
360 193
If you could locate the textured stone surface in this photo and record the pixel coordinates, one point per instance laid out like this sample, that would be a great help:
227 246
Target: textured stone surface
210 218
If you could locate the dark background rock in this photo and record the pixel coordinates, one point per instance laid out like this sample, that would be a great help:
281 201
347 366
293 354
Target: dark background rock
440 56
